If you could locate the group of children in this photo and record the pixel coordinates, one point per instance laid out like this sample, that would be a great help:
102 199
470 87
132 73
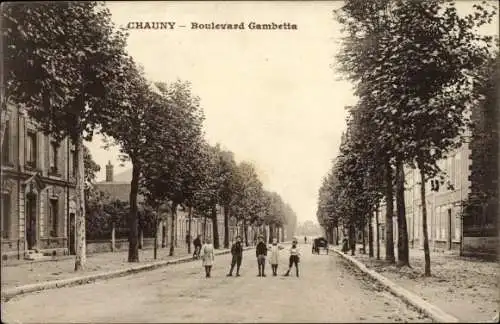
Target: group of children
261 251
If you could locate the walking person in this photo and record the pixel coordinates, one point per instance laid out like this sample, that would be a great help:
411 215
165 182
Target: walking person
261 252
294 258
274 258
197 247
237 253
207 257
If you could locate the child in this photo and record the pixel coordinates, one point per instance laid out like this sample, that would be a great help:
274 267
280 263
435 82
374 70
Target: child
207 256
275 253
237 253
294 258
261 253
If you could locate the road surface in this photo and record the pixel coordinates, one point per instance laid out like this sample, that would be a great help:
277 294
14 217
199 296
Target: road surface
328 290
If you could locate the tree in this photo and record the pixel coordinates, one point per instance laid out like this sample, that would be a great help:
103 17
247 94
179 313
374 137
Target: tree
417 60
90 167
60 63
247 195
128 127
226 169
206 194
482 202
174 160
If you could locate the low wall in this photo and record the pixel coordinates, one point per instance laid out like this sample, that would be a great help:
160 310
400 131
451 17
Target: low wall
480 246
99 246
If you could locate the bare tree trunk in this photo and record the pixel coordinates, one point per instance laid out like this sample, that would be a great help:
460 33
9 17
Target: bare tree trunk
215 227
245 230
190 217
155 247
403 247
226 226
3 120
377 224
81 255
141 238
204 227
370 234
172 229
389 213
133 222
352 239
427 256
163 234
363 227
113 240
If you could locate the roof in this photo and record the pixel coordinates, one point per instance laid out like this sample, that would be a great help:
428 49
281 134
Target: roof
125 176
117 190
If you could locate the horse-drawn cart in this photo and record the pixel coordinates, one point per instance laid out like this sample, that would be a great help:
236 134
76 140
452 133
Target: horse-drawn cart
319 244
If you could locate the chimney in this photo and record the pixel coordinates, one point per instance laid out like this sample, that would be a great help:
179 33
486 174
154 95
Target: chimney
109 172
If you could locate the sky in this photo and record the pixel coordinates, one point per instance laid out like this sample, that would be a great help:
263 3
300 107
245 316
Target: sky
273 97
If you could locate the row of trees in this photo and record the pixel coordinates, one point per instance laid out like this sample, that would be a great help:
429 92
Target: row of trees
416 69
67 66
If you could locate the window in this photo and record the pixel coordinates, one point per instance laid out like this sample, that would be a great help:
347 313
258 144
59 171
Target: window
31 149
444 222
53 217
417 222
73 163
5 215
6 144
458 168
410 227
54 156
458 221
441 223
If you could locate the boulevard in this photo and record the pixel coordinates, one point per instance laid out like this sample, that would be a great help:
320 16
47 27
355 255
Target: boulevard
328 290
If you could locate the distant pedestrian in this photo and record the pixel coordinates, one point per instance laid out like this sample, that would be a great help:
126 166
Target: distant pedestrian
237 253
305 239
294 258
275 254
261 252
345 245
207 256
197 247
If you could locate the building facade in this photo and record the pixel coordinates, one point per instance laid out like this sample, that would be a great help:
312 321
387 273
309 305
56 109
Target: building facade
119 188
444 205
37 189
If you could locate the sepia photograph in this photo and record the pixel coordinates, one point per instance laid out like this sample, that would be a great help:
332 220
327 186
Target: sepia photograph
250 161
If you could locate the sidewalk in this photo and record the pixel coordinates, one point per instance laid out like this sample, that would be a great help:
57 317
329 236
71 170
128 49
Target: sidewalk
466 288
26 273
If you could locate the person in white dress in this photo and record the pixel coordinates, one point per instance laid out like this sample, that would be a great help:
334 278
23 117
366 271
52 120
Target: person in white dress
207 257
275 255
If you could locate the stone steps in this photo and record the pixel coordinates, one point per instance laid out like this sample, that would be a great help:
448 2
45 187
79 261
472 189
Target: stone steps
34 255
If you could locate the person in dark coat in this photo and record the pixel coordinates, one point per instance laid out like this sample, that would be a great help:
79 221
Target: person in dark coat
345 245
237 253
197 247
261 252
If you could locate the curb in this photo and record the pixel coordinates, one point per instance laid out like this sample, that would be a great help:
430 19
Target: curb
13 292
436 314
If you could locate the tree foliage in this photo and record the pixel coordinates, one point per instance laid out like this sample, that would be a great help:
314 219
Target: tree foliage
61 61
414 65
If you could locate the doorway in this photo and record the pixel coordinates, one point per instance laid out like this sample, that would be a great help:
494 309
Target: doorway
31 221
72 234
